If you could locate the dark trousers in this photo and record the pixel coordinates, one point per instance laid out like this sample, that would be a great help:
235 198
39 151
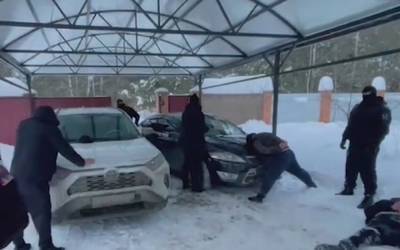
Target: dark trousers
36 197
383 229
192 171
362 160
275 165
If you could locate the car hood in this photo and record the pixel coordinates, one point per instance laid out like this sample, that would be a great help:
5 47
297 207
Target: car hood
113 154
233 144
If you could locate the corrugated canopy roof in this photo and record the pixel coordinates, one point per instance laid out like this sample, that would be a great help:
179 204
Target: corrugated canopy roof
167 37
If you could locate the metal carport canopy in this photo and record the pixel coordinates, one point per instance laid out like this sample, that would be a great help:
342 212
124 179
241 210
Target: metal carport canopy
169 37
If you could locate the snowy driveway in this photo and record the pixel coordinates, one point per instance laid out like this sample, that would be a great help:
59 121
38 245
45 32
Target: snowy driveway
291 218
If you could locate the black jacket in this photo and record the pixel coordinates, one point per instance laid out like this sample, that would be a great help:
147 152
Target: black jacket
379 207
268 144
368 123
193 128
38 142
131 112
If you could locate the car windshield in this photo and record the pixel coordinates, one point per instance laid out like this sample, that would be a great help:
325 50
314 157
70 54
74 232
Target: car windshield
86 128
222 128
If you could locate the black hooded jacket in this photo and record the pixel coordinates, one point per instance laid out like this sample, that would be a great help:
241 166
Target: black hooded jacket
193 127
38 142
131 112
368 123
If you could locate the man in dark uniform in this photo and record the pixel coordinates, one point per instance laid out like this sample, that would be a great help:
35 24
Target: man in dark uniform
276 157
383 228
38 143
129 110
194 144
368 125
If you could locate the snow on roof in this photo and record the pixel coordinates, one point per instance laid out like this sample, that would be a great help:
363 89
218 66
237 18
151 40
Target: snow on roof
246 86
161 90
6 89
83 110
325 84
379 83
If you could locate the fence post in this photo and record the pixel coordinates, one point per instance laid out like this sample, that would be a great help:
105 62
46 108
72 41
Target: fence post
379 83
268 102
325 89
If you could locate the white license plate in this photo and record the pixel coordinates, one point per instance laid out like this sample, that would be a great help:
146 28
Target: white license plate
113 200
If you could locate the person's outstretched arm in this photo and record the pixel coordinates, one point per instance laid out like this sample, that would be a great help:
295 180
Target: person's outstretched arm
63 147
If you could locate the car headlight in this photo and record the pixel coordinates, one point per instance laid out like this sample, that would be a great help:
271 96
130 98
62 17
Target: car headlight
156 162
226 156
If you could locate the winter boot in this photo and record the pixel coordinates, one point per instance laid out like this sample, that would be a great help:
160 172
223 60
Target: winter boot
258 198
312 185
25 246
52 248
346 191
366 202
343 245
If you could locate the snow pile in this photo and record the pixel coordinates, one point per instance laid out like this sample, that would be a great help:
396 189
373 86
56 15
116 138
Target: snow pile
161 90
291 218
255 126
379 83
247 86
7 89
325 84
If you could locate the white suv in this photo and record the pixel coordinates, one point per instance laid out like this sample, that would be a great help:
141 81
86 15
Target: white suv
129 172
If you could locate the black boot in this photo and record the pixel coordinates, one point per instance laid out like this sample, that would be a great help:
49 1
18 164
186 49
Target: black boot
346 191
185 185
312 185
366 202
24 246
258 198
343 245
52 248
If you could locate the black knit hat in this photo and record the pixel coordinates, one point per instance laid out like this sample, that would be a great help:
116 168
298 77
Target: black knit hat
194 99
369 91
46 114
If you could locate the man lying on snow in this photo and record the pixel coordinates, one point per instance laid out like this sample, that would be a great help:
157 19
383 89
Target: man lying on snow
383 228
276 157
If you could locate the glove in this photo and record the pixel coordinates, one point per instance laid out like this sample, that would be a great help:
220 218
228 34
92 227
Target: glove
343 144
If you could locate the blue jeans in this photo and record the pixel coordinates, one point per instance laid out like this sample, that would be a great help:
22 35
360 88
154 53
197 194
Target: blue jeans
275 165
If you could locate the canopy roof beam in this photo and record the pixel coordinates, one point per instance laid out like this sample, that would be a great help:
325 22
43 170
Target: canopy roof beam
67 52
114 66
41 25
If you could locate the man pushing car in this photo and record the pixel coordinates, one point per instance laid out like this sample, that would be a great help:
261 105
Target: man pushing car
276 157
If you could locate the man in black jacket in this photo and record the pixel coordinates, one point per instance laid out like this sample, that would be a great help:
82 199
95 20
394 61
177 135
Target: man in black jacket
194 144
38 143
368 125
383 228
276 157
130 111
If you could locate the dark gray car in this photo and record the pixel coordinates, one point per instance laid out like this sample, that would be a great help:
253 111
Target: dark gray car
225 143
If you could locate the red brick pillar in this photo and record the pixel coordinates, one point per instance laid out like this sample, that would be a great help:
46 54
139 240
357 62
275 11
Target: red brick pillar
267 104
325 89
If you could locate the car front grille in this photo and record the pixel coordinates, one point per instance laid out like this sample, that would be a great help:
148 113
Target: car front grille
100 183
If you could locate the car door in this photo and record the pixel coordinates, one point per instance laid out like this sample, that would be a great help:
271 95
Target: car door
168 143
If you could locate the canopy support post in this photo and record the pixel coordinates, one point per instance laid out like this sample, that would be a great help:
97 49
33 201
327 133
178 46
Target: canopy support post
30 94
199 80
276 84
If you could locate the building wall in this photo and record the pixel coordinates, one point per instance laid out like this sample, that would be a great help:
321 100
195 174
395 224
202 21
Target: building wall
235 108
15 109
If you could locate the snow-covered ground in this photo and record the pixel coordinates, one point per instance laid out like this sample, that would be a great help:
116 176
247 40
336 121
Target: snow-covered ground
291 218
